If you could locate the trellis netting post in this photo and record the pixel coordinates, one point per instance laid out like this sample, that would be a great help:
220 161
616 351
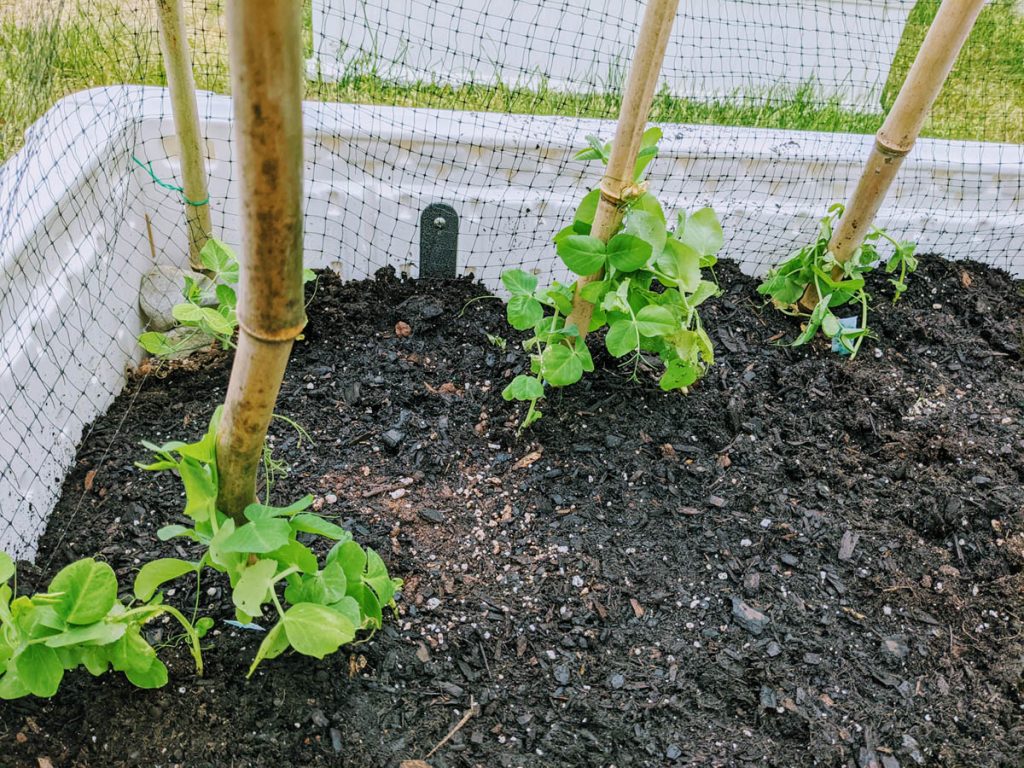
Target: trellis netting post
649 54
182 86
266 82
895 139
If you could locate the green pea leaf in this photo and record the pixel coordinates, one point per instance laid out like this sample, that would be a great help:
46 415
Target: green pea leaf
678 374
557 295
628 252
153 675
595 291
353 560
622 338
6 567
654 320
649 204
310 523
259 536
259 511
648 227
705 290
560 366
253 587
377 577
702 232
518 282
315 630
648 151
170 531
586 212
524 388
273 645
156 344
100 633
583 353
39 670
524 312
11 686
298 554
156 572
218 257
325 587
87 591
349 608
583 254
681 263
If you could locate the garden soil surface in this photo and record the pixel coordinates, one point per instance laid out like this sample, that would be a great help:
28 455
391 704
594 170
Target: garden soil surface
804 561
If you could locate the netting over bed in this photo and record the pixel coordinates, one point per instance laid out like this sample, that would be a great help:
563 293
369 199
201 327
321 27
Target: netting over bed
768 110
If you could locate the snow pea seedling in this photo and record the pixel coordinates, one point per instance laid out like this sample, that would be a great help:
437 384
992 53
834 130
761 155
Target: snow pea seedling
209 309
814 265
651 287
328 604
79 621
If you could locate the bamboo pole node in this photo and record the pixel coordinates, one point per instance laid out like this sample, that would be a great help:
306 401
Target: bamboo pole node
888 151
279 336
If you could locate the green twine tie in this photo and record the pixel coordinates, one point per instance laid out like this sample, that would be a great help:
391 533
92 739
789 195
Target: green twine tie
148 168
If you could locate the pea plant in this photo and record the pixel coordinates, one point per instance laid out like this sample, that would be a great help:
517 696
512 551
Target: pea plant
209 309
837 284
648 297
327 604
79 621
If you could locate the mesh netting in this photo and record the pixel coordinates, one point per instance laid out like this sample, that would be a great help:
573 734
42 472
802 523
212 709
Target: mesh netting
768 110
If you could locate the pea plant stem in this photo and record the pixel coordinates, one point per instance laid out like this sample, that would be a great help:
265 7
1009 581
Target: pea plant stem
896 138
641 84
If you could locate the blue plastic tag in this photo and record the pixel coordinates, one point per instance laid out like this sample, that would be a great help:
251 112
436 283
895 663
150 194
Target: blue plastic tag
838 346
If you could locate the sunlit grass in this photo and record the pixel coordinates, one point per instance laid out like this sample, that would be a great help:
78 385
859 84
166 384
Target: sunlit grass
44 57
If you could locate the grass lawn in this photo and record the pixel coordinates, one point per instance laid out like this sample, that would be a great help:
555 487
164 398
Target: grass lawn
46 54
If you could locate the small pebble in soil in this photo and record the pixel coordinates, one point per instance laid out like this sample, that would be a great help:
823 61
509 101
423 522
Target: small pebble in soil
895 648
562 674
431 515
393 438
433 604
673 752
747 617
615 682
773 649
330 498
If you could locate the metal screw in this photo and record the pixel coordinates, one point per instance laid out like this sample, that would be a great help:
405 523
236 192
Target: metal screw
439 222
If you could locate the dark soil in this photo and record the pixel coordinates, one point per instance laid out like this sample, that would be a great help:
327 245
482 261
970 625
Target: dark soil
805 561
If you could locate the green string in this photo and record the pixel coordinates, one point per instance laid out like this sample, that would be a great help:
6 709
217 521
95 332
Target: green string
148 168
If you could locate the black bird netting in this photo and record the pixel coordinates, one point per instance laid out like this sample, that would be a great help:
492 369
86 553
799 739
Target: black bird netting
767 109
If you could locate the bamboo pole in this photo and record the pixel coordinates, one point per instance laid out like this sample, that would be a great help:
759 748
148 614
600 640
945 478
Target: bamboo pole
265 49
902 126
182 85
617 182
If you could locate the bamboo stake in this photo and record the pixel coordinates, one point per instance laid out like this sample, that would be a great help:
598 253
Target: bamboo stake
265 49
902 126
182 85
617 183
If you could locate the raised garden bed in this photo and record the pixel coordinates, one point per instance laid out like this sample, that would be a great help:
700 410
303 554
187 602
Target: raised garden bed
805 561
